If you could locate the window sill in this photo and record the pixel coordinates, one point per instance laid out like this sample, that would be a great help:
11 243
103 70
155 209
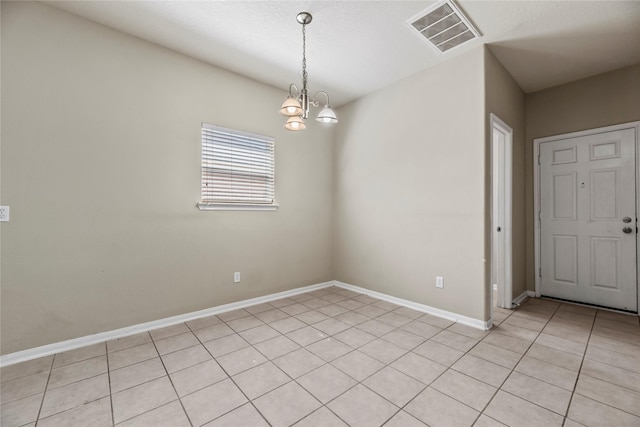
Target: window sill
236 207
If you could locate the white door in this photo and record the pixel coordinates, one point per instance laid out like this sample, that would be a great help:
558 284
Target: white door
588 219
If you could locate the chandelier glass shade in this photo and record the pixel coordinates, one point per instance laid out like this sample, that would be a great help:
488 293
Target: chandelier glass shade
297 105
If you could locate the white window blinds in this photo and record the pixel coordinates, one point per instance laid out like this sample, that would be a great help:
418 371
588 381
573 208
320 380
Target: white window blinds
237 167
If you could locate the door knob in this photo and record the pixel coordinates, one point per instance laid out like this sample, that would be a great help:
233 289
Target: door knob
626 220
627 230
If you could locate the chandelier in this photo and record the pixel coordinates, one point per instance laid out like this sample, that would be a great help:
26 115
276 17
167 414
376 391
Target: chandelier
296 106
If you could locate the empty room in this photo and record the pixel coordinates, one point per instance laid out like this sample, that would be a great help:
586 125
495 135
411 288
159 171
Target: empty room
319 213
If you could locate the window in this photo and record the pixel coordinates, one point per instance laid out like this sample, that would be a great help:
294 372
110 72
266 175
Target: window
237 170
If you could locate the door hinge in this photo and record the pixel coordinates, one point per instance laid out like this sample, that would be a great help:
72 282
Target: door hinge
540 272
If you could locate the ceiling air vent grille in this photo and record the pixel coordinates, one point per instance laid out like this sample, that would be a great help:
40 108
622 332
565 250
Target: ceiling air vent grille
444 26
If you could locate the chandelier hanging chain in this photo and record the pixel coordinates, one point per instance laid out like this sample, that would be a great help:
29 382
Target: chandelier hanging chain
304 56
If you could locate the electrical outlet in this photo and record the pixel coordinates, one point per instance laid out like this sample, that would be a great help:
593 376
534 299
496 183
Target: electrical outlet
439 282
236 277
4 213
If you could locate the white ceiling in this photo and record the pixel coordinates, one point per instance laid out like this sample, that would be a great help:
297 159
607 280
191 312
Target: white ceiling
357 47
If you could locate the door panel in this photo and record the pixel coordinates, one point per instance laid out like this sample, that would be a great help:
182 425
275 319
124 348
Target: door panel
587 187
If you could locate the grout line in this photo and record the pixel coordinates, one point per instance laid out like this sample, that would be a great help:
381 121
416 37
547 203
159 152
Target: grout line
44 393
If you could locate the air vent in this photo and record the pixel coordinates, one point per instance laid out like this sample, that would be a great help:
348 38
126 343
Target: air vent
444 26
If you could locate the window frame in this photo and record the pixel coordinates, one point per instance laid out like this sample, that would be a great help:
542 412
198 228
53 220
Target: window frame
234 205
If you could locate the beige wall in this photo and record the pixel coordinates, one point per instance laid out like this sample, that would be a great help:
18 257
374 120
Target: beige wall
598 101
409 188
505 99
100 165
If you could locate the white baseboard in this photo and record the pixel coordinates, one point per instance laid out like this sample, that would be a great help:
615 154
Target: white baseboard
523 296
72 344
475 323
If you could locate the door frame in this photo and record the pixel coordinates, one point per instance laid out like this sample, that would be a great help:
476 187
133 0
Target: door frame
504 268
536 190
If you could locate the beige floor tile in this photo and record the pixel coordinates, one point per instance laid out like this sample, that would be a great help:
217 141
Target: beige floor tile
272 315
571 423
225 345
586 319
301 297
283 302
276 347
352 318
213 401
552 374
403 419
286 405
506 358
298 363
259 308
485 421
624 361
555 357
212 332
74 395
236 314
570 324
20 412
142 398
595 414
575 308
27 368
133 375
366 299
288 324
258 334
614 334
613 345
197 377
439 410
375 327
581 337
482 370
395 320
96 413
332 310
439 352
471 392
543 394
169 331
357 365
467 331
409 312
334 298
623 326
383 351
331 326
312 316
23 387
386 305
184 358
294 309
610 394
419 368
534 325
404 339
260 380
321 418
241 360
326 383
538 317
439 322
619 317
129 356
514 411
245 415
244 323
329 349
562 344
394 386
612 374
315 303
169 415
361 407
453 340
350 304
306 336
79 354
77 371
176 342
355 337
126 342
370 311
507 342
517 332
204 322
422 329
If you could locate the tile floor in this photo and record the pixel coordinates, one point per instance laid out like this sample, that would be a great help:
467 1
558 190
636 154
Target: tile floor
332 357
